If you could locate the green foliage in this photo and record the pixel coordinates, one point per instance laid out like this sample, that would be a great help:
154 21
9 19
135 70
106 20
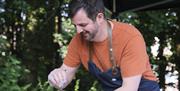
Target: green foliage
43 86
93 88
4 45
11 69
63 39
58 38
76 87
68 28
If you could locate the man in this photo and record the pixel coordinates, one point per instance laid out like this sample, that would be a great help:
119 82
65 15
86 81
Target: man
113 52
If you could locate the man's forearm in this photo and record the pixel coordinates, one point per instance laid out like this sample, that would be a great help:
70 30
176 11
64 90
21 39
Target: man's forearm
130 83
70 72
125 89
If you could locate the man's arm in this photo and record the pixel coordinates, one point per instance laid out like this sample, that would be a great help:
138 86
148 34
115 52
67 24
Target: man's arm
130 83
61 77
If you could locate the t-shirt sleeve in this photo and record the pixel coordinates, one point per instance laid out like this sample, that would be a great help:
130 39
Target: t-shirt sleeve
72 58
134 58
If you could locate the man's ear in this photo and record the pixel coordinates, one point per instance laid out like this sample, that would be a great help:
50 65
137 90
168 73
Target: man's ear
100 17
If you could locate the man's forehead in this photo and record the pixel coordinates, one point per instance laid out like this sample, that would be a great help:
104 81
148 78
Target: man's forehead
80 17
79 22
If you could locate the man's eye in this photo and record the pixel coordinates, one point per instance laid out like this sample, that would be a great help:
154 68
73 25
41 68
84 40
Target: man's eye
82 25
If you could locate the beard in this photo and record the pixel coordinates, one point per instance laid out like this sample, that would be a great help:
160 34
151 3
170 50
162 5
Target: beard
90 36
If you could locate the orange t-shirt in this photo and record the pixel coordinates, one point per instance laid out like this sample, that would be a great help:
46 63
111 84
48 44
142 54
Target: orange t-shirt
129 50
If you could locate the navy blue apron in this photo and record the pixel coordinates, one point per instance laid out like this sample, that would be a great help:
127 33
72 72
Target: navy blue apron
111 80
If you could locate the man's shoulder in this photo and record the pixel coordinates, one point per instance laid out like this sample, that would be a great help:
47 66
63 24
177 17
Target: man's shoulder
123 32
125 29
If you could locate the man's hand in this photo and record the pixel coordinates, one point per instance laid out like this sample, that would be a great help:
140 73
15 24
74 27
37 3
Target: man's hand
57 78
61 77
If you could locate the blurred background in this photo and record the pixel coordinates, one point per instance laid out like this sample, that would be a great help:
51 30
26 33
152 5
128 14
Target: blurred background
34 35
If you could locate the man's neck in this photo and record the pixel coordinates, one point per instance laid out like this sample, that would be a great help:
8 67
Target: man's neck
102 32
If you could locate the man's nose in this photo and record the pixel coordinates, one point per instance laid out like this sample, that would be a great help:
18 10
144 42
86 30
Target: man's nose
79 30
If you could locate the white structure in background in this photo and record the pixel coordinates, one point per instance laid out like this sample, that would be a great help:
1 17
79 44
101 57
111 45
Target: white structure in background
170 77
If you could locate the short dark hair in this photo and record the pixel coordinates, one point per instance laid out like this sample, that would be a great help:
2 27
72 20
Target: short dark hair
91 7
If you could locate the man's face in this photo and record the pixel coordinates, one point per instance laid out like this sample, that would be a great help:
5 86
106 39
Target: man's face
85 25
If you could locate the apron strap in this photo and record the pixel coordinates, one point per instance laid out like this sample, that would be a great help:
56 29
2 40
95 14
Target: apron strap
111 55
